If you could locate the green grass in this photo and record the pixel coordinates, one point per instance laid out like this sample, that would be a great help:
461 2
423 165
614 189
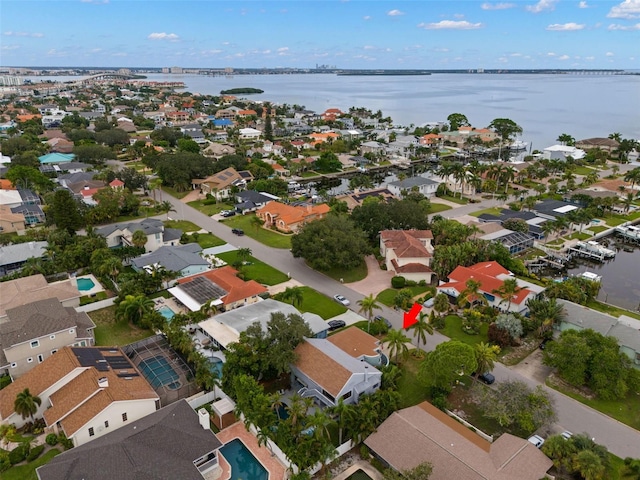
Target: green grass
316 302
458 200
174 193
348 275
625 410
598 228
28 471
583 170
387 296
615 219
438 207
262 235
257 270
110 332
490 211
86 299
208 240
209 209
412 390
184 225
611 309
578 236
453 330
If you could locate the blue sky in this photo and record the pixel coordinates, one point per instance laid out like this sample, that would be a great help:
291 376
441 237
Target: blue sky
301 34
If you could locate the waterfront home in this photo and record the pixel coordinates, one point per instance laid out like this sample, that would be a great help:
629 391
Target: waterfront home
426 186
250 200
250 134
221 183
408 253
356 198
605 144
561 152
290 218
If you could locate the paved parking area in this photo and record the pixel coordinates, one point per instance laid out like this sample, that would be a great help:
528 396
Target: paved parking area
533 368
376 281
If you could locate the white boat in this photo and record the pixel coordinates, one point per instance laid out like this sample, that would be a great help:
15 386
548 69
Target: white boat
590 276
518 145
629 231
595 247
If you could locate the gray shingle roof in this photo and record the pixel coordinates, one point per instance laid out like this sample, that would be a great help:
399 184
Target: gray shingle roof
162 445
20 252
173 259
413 182
149 226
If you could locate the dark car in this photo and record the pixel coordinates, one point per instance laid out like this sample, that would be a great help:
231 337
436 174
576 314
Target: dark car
543 344
487 378
228 213
237 231
336 324
380 318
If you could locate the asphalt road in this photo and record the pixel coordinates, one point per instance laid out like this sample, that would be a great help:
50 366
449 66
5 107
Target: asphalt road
620 439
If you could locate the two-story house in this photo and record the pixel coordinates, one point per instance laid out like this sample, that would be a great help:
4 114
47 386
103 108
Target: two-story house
408 253
425 186
121 234
220 184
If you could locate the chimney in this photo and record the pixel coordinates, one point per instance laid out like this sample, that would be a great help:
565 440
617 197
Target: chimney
103 382
203 418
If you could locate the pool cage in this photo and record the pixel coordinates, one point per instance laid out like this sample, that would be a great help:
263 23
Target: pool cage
156 351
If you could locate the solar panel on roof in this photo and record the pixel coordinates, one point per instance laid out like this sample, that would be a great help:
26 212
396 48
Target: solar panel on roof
126 375
118 362
91 357
201 289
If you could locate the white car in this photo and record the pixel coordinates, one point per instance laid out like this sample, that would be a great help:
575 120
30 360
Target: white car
342 299
566 435
537 440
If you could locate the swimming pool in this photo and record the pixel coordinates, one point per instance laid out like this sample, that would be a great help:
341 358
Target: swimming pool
243 464
85 284
166 312
215 366
158 372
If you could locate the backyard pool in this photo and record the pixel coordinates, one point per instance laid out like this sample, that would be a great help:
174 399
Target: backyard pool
215 366
85 284
243 464
166 312
158 372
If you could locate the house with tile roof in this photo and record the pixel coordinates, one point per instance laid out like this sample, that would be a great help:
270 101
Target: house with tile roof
408 253
86 392
327 373
220 184
454 451
172 442
290 218
185 260
220 287
491 276
21 291
10 222
605 144
33 332
121 234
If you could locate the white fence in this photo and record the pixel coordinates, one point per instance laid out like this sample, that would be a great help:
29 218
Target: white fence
488 438
91 307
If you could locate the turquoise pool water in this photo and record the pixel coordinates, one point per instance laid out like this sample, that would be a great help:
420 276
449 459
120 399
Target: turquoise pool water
85 284
166 312
244 465
216 366
158 372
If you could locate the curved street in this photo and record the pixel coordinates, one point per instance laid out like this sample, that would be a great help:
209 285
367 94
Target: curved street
620 439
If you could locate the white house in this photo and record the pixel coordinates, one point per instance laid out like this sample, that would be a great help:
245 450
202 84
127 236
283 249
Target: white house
425 186
250 133
408 253
561 152
121 234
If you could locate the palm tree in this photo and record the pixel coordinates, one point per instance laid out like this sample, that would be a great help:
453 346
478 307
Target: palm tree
508 291
589 465
342 411
156 184
560 451
566 139
139 239
26 405
134 308
243 254
471 293
633 176
166 207
276 403
486 355
367 305
441 303
546 313
627 201
421 329
396 342
293 294
257 222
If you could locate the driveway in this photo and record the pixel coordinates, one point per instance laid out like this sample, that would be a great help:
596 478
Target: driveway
532 367
376 281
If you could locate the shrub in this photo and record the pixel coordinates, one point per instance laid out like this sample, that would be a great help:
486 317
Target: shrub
499 336
51 439
5 464
411 283
18 454
378 328
65 442
4 381
364 452
35 453
398 282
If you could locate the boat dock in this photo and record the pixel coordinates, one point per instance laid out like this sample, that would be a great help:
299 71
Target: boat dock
629 233
592 250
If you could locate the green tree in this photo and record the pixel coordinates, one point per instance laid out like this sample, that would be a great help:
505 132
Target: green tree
457 120
139 238
449 361
367 305
327 162
29 178
506 128
26 404
508 291
486 356
566 139
64 211
589 465
419 472
188 145
396 342
421 329
295 295
441 303
134 308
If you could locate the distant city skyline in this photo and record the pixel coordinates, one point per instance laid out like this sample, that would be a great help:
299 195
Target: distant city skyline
346 34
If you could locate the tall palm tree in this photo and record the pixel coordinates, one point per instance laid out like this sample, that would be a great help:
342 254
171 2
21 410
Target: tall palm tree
545 313
421 329
367 305
294 294
471 293
134 308
508 291
156 184
26 404
257 222
589 465
139 239
486 355
342 411
166 207
244 253
396 342
633 176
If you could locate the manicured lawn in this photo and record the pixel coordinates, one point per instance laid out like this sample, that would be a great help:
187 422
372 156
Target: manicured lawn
490 211
208 240
211 209
579 236
109 332
612 310
615 219
28 471
461 201
584 170
348 275
598 228
412 390
316 302
256 270
85 299
184 225
174 193
625 410
438 207
453 330
263 235
386 296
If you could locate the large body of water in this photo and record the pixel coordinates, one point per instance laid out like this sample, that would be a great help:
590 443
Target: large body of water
545 106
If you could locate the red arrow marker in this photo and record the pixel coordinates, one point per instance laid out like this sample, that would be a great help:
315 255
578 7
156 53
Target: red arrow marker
411 316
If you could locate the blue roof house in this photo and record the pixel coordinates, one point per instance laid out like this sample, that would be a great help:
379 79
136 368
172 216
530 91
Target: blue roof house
56 158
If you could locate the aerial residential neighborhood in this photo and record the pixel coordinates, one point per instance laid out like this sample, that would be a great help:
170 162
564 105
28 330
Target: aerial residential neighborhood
209 286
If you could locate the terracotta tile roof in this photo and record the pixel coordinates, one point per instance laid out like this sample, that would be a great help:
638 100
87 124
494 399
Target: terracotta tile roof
226 277
28 116
321 368
489 268
356 342
406 243
6 184
410 267
247 112
290 214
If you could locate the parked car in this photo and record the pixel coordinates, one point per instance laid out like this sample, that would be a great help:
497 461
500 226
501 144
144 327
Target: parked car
380 318
342 299
429 303
543 344
227 213
336 324
487 377
237 231
566 435
537 440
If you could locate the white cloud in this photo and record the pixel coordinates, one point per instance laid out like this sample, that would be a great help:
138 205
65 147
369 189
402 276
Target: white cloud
172 37
283 49
394 13
23 34
627 9
369 47
551 54
609 54
565 27
615 26
542 6
515 54
10 47
590 59
450 25
583 4
458 15
367 17
564 57
96 2
497 6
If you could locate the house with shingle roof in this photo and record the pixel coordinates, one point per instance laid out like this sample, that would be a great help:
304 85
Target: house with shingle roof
33 332
423 433
290 218
250 200
185 260
86 392
220 183
35 287
408 253
121 234
491 276
327 373
426 186
169 443
10 222
13 257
